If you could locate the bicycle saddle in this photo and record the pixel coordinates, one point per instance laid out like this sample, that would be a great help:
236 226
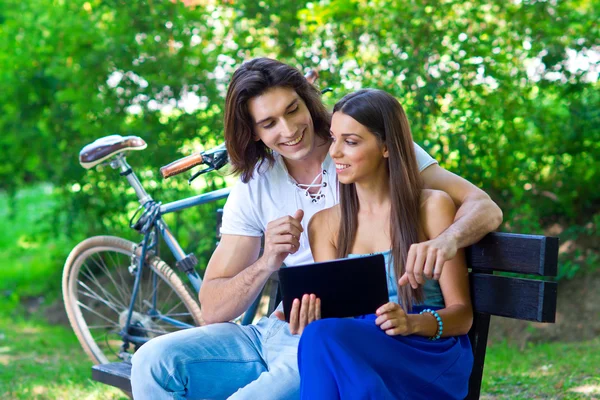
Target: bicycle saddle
106 147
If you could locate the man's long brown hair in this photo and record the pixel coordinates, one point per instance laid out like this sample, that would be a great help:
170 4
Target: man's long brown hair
385 118
253 78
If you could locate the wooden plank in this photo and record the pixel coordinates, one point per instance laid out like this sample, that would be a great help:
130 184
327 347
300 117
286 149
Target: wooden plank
511 252
478 336
116 374
518 298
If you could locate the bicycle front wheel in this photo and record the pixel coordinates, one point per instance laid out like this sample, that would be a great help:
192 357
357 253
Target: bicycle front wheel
98 280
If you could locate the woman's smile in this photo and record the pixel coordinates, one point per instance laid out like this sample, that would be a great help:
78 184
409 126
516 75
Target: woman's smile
340 167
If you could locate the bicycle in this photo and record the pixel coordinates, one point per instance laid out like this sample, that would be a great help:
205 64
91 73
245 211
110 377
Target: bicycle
114 305
118 293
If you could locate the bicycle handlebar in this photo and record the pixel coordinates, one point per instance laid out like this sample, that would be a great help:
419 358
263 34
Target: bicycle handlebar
181 165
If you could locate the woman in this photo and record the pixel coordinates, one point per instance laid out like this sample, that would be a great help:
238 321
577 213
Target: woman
415 346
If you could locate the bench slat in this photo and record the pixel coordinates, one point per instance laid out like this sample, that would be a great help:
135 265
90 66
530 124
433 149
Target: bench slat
114 374
518 298
511 252
478 336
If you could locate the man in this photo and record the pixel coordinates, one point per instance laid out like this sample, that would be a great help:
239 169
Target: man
277 135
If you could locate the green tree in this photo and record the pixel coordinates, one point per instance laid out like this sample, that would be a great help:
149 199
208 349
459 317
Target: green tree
503 93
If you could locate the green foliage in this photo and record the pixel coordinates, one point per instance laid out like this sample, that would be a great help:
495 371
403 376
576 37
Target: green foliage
490 87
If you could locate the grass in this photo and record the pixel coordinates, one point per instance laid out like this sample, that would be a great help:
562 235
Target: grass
543 371
39 361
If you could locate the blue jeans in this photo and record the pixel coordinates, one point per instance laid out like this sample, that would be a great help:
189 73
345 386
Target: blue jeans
219 361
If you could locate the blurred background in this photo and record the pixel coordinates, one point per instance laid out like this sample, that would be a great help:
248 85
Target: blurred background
502 92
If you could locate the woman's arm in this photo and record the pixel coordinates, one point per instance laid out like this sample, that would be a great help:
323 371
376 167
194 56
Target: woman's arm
321 234
437 215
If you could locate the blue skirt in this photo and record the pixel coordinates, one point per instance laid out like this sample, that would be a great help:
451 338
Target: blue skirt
355 359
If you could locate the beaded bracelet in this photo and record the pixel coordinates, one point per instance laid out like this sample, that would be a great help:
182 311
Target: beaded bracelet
440 324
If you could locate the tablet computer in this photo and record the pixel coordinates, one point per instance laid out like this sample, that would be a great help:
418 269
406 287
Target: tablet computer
347 287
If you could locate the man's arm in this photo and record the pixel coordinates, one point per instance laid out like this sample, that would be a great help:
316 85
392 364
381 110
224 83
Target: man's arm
476 216
235 275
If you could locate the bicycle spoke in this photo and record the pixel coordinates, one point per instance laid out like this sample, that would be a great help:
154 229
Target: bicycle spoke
154 292
109 275
168 314
93 295
93 279
96 313
99 326
140 293
171 315
118 268
125 286
166 301
177 315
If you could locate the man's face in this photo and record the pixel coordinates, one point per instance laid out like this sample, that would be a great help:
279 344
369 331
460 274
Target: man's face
283 123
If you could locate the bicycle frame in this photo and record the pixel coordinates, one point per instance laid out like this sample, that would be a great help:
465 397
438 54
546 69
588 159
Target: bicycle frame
159 228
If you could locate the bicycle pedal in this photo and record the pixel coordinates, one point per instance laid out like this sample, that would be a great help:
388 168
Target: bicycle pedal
125 356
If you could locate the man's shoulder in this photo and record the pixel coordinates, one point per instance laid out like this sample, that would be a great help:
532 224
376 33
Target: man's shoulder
267 172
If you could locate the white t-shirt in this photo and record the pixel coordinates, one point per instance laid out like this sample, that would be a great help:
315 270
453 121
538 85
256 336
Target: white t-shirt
272 193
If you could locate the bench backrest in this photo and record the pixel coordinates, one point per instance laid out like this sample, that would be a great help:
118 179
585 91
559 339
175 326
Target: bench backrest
509 296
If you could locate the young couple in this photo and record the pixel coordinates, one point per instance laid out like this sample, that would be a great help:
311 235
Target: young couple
392 198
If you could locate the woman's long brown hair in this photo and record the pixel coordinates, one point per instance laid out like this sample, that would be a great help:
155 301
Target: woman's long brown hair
385 118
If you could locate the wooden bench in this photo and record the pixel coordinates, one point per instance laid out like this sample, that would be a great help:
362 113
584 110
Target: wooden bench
493 292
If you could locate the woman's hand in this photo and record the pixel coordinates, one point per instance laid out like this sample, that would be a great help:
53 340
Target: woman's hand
302 313
392 319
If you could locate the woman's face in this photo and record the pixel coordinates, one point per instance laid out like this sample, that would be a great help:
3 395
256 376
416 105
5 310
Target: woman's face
356 151
283 122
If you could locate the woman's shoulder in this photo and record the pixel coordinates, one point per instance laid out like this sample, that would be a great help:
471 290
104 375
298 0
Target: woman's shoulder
327 216
432 199
437 211
324 221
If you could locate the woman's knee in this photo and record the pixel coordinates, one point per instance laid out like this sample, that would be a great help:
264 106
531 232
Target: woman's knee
321 333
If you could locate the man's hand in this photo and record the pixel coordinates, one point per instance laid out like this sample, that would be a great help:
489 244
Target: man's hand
282 237
302 313
392 319
425 260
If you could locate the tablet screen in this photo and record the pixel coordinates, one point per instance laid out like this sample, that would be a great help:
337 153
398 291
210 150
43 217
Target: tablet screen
347 287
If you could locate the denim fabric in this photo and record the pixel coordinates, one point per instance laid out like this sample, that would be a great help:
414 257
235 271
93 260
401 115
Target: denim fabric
219 361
